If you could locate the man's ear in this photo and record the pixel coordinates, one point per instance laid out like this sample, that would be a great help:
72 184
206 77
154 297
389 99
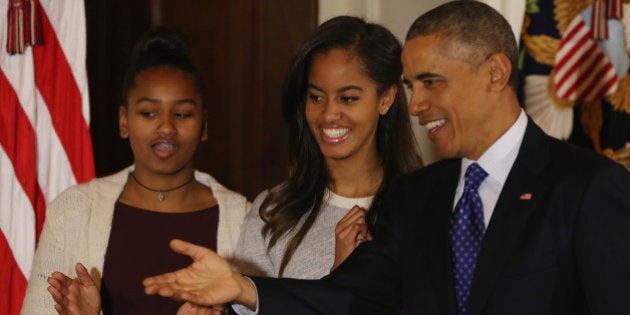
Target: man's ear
122 122
387 99
499 70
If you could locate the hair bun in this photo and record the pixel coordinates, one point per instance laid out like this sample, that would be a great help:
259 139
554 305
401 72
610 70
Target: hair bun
163 41
162 47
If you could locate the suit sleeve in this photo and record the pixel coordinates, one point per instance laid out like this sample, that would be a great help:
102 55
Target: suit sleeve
603 242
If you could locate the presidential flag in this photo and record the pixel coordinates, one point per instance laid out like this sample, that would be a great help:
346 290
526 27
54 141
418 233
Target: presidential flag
574 70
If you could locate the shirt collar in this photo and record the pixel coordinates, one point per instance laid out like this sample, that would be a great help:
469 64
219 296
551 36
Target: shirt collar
346 202
497 161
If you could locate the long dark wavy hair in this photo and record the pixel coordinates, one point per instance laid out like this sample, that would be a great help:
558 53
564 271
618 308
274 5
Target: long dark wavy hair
302 193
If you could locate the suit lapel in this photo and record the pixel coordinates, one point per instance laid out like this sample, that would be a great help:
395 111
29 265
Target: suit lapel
524 183
435 234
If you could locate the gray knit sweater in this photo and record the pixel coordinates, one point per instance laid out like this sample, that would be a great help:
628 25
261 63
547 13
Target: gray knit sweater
315 255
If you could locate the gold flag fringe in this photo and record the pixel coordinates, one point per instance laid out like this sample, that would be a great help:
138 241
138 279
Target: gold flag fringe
542 48
566 10
24 25
592 122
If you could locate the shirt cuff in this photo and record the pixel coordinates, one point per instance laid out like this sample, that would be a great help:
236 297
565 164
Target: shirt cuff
244 310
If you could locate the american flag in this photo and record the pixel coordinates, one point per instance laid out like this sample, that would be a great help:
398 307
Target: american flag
582 72
45 143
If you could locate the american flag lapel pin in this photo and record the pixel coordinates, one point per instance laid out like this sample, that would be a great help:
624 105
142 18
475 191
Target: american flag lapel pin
526 196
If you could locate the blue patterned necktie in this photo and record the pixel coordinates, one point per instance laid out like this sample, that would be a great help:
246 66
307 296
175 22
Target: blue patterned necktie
467 230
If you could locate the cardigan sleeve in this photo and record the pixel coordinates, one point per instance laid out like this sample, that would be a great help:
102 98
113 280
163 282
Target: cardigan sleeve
64 217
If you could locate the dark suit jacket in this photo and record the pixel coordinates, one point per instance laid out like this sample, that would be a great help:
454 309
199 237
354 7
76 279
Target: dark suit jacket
562 249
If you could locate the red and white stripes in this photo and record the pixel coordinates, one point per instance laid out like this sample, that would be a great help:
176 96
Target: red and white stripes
582 71
45 143
602 10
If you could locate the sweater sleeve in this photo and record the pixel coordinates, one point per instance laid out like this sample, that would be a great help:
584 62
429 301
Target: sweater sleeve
251 256
52 251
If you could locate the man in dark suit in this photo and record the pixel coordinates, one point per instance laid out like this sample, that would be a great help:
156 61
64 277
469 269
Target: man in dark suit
512 221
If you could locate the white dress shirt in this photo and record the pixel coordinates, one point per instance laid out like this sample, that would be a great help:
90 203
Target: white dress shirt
497 161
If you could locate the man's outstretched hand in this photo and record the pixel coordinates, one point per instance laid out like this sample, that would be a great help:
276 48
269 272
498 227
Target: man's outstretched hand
209 280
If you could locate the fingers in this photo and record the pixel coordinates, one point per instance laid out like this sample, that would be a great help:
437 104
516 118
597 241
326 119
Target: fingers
194 309
60 309
353 233
155 281
84 277
61 278
150 289
361 237
166 285
352 228
207 281
152 285
74 296
54 282
190 309
180 295
350 231
195 252
55 291
165 291
355 214
217 309
59 290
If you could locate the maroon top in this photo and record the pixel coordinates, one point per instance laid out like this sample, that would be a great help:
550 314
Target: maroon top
138 248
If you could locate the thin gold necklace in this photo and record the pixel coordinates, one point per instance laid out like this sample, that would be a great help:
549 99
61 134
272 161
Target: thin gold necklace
161 192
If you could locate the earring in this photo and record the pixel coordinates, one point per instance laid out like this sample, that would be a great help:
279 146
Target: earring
384 111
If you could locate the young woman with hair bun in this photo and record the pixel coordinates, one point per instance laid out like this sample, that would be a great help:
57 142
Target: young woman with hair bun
114 231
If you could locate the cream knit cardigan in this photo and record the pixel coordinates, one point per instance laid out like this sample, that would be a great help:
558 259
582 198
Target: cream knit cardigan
78 224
